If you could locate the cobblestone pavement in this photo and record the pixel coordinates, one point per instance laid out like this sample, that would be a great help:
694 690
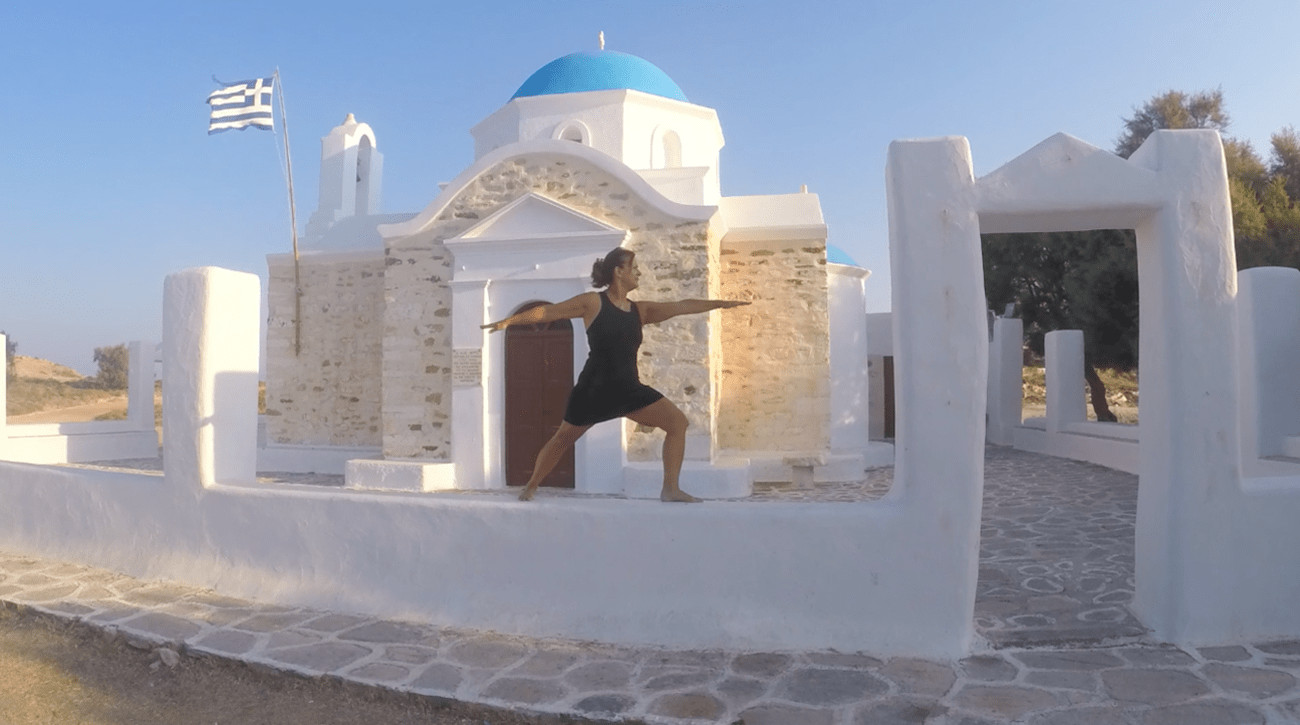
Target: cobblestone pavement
1060 644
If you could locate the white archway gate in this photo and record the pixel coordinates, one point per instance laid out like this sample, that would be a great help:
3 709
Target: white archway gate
1216 556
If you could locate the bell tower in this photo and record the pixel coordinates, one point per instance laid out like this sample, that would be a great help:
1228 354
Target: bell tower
351 169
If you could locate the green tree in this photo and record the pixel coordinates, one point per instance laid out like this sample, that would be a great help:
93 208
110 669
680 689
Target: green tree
1071 280
1172 109
1286 160
113 362
1088 280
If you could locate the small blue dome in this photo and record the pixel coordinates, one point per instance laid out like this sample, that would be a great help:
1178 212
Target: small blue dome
602 70
835 255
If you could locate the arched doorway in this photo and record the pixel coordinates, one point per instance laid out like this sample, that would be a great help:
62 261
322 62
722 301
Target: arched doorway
539 376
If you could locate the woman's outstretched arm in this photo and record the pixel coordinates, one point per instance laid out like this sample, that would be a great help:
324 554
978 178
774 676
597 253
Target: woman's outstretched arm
585 305
652 312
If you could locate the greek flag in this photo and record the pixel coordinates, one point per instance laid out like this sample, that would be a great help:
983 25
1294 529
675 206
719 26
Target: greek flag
241 105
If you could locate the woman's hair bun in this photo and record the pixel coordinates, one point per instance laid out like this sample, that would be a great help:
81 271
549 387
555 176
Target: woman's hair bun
602 272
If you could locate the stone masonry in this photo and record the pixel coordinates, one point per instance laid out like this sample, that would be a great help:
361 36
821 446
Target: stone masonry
330 393
776 352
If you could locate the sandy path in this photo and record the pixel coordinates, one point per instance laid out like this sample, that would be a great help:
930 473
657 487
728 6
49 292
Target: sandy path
73 414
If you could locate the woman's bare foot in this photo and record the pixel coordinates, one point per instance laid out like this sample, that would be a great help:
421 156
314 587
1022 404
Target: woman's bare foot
527 493
678 496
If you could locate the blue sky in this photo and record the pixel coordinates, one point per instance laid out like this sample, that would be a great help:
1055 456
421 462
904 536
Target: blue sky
112 181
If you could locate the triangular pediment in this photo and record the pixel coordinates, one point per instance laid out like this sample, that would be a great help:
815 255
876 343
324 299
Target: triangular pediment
1065 184
533 216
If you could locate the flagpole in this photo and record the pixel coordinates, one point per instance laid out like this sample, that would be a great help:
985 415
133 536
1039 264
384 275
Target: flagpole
293 225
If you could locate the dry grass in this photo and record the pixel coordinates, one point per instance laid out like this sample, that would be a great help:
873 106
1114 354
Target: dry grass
1121 393
56 671
30 395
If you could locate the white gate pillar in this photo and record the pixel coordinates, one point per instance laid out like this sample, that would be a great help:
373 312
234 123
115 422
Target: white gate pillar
1189 471
1006 393
1063 358
941 360
210 364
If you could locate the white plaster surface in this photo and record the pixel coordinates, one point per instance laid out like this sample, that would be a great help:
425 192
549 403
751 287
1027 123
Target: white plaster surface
1215 559
310 459
708 575
4 399
1006 374
382 475
850 407
626 125
719 479
1063 362
1268 324
210 371
941 355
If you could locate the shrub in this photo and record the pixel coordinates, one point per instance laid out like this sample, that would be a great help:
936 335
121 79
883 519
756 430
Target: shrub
113 363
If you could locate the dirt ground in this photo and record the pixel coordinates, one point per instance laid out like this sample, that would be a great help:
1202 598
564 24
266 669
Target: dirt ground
75 413
54 672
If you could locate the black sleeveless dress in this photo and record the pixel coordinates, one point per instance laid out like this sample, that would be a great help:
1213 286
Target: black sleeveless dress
609 386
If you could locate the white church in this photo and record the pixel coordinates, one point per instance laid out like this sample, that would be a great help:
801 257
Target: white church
381 368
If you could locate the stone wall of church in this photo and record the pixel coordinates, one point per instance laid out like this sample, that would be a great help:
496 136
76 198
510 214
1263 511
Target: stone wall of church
329 394
673 256
417 348
775 392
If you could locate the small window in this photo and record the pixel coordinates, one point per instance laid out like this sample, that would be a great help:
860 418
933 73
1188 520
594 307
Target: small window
575 131
665 149
672 150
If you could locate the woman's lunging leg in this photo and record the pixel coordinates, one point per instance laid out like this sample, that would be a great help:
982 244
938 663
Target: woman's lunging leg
550 455
669 418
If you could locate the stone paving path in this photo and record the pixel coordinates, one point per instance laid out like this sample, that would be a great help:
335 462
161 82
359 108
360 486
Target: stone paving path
1060 646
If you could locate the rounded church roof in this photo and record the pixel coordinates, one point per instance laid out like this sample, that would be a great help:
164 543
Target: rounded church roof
835 255
601 70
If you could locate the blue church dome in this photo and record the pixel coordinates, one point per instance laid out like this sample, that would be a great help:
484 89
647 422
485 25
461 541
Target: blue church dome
602 70
835 255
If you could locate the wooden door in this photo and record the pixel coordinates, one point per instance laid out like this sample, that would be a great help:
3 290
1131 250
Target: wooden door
539 376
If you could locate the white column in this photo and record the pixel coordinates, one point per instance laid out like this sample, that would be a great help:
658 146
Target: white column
473 448
4 393
1187 573
139 388
1006 379
941 350
1063 360
850 387
1268 324
210 367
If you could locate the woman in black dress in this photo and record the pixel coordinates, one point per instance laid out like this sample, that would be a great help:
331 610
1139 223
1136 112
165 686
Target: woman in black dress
609 386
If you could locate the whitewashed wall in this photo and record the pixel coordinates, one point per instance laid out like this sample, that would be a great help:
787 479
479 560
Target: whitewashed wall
872 577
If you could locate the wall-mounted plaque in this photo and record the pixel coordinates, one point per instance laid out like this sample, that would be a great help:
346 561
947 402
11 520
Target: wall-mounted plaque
467 367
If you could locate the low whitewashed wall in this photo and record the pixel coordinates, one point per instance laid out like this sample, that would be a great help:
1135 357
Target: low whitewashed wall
1065 430
1268 324
134 437
875 577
